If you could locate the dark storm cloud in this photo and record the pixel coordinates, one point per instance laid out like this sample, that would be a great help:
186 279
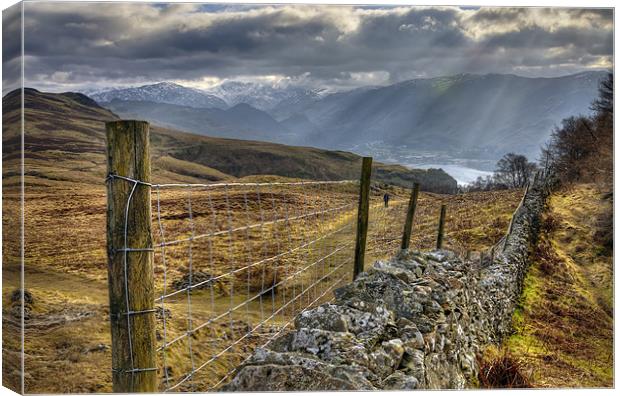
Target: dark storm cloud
98 44
11 48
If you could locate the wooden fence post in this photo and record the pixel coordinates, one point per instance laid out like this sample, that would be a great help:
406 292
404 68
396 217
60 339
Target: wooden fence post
362 217
442 219
130 258
413 201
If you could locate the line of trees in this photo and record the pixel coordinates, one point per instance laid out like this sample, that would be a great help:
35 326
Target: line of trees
511 171
581 148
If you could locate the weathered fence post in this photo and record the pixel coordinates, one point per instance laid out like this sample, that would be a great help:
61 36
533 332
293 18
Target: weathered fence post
413 201
362 217
130 257
442 219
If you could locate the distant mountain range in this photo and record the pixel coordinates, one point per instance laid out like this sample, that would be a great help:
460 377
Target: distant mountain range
164 92
466 115
241 121
65 144
485 113
272 99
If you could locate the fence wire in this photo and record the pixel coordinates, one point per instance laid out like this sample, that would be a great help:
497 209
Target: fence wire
235 262
386 222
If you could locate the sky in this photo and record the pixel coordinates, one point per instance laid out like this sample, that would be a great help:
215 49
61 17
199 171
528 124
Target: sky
84 46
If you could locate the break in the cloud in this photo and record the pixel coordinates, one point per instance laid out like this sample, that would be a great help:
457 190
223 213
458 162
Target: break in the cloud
95 45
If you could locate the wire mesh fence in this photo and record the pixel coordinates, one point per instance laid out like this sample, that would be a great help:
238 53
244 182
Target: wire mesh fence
386 222
234 263
227 266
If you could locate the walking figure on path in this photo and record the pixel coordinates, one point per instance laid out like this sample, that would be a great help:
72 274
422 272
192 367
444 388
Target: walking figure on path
386 199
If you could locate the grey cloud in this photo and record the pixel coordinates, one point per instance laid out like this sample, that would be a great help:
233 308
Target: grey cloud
537 37
107 43
11 48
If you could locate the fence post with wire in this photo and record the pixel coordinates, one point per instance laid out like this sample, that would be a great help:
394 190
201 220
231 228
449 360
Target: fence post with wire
440 228
225 269
130 258
362 216
413 201
201 274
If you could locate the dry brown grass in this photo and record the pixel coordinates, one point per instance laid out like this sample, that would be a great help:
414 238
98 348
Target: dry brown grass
474 221
564 328
66 269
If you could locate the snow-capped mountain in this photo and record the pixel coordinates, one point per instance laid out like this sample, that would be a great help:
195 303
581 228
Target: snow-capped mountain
485 115
263 96
164 92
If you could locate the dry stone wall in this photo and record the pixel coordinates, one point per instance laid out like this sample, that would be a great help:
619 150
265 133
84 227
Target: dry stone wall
416 321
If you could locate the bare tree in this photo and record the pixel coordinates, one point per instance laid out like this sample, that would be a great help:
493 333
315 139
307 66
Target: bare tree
514 170
581 148
571 144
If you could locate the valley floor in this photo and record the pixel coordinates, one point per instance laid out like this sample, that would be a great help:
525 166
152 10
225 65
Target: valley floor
564 327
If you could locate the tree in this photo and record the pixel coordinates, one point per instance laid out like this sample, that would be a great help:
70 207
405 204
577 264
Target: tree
571 144
514 170
581 148
605 101
545 161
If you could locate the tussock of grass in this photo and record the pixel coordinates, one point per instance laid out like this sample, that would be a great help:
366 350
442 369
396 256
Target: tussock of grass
501 369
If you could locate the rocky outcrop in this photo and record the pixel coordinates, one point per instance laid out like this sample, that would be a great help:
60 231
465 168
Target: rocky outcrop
415 321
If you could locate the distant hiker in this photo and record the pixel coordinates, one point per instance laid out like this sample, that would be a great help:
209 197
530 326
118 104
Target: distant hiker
386 199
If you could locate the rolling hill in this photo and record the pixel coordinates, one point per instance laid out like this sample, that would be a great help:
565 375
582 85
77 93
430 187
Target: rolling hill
64 142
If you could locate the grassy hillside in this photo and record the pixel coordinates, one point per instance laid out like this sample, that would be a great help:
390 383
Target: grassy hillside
564 326
65 143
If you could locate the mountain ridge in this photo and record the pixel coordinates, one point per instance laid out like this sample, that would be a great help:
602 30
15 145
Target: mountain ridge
473 113
495 112
241 121
264 97
163 92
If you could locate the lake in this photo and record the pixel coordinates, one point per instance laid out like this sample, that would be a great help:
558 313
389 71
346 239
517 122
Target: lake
462 174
